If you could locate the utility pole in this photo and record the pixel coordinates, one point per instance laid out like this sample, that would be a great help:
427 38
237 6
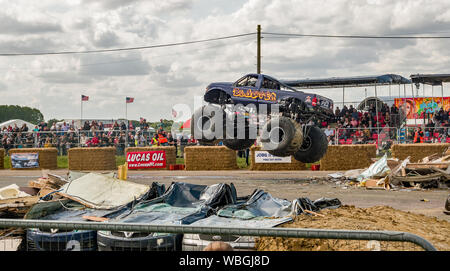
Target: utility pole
258 50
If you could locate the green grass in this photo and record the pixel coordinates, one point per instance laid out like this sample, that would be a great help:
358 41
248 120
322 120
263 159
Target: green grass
120 160
6 162
241 163
62 162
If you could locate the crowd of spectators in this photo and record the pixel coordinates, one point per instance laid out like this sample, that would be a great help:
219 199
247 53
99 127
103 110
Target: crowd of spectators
354 126
92 134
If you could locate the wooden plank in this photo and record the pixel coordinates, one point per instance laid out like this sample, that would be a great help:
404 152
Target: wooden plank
76 199
25 200
313 213
427 165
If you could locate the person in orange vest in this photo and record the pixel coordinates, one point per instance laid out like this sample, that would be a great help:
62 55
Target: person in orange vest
162 139
418 136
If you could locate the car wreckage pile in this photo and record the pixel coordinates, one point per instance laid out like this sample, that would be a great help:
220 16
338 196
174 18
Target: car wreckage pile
104 198
430 172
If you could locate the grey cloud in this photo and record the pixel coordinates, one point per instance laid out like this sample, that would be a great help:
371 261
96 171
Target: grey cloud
112 65
9 25
107 39
177 80
166 5
28 45
64 78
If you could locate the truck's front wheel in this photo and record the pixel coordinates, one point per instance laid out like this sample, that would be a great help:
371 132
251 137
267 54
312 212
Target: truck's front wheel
314 146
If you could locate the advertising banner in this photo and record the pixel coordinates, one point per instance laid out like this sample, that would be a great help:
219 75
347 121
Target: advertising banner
147 159
417 108
25 160
265 157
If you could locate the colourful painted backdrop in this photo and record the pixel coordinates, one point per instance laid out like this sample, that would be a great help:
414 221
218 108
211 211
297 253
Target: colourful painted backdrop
419 107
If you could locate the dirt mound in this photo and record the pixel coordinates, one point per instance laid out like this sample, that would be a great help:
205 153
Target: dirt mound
437 232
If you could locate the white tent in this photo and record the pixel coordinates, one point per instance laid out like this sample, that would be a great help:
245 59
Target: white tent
18 122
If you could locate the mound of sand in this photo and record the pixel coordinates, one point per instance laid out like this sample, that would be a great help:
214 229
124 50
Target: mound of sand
437 232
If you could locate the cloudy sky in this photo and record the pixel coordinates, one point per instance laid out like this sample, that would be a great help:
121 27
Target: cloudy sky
162 77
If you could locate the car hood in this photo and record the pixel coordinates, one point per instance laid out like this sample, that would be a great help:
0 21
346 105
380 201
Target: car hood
219 85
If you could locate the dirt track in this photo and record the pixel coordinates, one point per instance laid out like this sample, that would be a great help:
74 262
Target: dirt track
352 218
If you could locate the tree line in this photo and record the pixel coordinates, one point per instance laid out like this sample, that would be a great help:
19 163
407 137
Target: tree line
8 112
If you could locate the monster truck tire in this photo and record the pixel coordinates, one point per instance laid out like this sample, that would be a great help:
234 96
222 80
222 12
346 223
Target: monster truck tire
314 146
289 141
238 144
202 124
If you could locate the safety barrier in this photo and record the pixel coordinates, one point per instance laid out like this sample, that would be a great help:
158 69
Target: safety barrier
267 166
47 157
171 158
417 151
185 237
2 158
346 157
209 158
92 158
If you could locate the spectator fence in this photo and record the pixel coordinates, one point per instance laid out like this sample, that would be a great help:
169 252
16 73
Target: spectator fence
121 139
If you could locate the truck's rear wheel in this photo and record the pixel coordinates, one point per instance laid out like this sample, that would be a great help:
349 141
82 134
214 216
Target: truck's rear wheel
203 126
282 136
314 147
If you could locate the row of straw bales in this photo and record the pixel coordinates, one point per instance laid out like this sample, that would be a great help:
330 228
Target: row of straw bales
103 158
343 157
209 158
348 157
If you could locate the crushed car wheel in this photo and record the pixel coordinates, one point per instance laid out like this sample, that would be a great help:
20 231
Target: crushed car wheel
314 147
203 123
282 136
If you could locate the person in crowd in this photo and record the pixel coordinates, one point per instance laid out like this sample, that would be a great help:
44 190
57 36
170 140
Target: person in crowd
162 138
172 142
329 132
418 135
155 141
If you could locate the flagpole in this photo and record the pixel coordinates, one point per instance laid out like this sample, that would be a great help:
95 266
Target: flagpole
81 113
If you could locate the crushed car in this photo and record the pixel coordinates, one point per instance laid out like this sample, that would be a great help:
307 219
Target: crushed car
261 210
181 204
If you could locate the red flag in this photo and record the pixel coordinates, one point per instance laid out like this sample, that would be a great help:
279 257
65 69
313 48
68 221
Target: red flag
84 98
129 100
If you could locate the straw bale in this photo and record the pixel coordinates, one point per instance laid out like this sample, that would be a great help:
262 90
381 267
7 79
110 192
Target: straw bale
294 165
102 158
417 151
48 157
209 158
346 157
171 158
2 158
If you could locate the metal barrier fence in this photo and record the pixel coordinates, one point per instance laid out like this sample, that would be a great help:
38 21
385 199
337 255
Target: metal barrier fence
77 236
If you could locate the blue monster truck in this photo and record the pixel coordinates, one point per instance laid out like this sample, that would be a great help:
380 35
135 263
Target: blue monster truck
256 101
